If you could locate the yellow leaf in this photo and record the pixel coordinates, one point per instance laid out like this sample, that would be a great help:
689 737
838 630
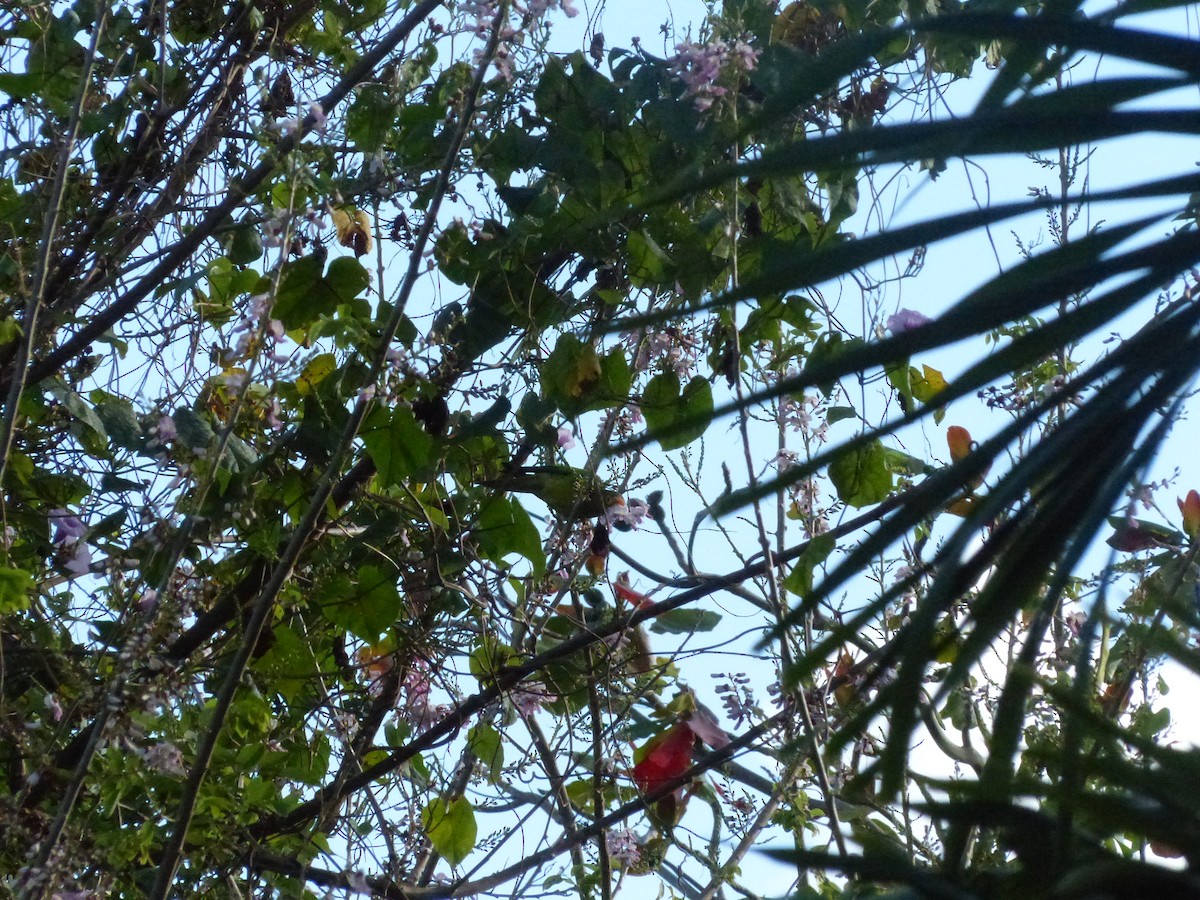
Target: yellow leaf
587 373
353 227
315 372
928 384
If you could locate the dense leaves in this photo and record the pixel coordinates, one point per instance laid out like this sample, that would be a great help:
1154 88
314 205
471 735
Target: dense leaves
408 427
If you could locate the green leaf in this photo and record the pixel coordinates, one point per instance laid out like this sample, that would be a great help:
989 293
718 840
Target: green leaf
450 827
800 580
192 430
244 245
303 295
685 621
695 414
576 379
570 374
504 527
119 418
370 117
827 349
15 585
902 463
488 749
861 475
648 262
10 331
399 446
347 278
659 401
838 413
92 435
676 418
314 372
378 601
366 606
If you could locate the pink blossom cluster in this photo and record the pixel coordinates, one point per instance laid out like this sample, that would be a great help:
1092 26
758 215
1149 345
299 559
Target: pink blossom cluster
701 66
805 494
670 348
627 516
623 847
537 9
797 414
257 313
418 685
484 13
528 699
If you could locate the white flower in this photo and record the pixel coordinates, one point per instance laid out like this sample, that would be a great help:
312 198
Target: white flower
164 757
319 121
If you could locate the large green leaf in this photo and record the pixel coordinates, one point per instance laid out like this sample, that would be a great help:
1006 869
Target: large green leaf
450 827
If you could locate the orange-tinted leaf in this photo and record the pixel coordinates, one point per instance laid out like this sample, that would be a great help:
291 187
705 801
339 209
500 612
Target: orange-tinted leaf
596 563
586 374
623 591
846 695
1116 697
959 441
1190 507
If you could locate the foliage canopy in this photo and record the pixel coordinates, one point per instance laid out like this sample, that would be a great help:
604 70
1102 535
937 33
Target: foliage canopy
309 585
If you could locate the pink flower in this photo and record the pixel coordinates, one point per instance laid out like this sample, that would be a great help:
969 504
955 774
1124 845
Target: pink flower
701 66
626 516
529 699
165 429
235 379
906 320
623 847
566 439
53 707
274 413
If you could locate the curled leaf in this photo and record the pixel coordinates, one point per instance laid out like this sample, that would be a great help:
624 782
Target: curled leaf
353 228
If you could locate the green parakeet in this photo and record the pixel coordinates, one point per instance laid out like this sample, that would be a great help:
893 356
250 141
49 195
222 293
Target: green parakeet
564 489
